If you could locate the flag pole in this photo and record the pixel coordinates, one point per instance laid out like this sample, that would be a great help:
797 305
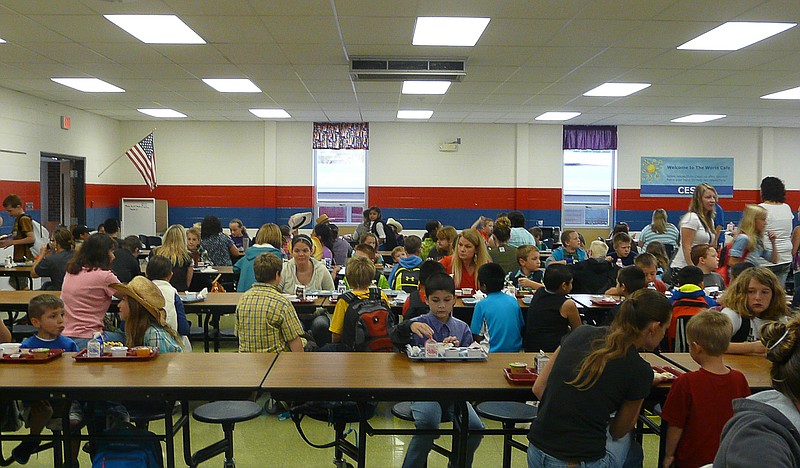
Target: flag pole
120 157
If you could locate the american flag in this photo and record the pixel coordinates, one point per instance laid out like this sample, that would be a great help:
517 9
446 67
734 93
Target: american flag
143 156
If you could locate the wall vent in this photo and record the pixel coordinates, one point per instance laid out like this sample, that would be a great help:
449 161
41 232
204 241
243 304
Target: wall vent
401 69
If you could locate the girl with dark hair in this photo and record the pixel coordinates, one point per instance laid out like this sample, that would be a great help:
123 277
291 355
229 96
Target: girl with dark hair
779 220
376 225
597 372
87 290
52 260
220 247
304 269
323 242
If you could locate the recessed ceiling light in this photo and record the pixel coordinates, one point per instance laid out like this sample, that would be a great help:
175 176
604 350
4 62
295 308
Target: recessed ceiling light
735 35
448 31
2 41
88 85
232 85
156 29
414 114
698 118
616 89
425 87
558 115
271 113
165 113
793 93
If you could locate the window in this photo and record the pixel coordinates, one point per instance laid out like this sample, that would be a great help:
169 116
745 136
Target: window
588 184
341 182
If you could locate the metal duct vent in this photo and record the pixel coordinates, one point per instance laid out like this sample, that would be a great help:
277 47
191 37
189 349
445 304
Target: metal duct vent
383 69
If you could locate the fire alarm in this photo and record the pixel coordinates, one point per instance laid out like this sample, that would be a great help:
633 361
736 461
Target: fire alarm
65 122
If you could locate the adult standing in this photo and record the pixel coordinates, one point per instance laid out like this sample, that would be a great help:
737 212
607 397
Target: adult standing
661 230
22 236
220 247
697 225
779 221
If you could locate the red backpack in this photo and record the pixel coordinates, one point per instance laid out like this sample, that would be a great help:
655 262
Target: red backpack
367 323
724 261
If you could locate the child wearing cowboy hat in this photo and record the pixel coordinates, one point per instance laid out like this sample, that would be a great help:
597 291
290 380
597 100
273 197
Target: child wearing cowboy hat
142 308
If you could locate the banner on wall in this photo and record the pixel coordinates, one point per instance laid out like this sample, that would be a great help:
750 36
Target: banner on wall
677 177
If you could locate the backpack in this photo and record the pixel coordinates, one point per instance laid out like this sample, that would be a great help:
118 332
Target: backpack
684 307
128 452
367 323
406 279
724 258
391 237
41 236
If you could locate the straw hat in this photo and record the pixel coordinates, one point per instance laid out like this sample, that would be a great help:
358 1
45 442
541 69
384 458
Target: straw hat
322 219
298 220
143 291
396 224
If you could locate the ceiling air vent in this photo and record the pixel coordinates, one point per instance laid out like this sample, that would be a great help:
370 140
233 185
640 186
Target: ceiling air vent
383 69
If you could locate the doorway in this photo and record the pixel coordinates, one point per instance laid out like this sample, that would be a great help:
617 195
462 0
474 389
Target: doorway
63 190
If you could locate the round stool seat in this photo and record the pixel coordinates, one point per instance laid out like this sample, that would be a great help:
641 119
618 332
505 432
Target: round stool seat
219 412
507 411
402 410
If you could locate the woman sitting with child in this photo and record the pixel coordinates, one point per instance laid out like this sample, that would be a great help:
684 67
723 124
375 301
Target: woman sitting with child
470 254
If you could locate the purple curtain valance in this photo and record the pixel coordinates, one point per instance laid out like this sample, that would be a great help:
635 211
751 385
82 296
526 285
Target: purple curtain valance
593 137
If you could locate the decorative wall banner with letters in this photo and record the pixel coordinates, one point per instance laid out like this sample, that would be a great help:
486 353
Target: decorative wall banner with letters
677 177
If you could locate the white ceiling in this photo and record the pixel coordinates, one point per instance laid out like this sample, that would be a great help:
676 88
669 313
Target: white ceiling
534 57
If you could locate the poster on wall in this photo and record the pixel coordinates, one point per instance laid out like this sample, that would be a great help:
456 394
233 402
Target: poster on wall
677 177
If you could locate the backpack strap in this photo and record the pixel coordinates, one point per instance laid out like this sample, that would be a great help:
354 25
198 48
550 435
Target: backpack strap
349 297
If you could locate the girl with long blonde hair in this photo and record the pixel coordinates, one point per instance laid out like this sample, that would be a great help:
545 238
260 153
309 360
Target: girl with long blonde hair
660 230
697 225
175 248
470 254
749 244
597 372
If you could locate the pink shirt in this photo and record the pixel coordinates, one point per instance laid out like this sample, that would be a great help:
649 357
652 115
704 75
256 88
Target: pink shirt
86 297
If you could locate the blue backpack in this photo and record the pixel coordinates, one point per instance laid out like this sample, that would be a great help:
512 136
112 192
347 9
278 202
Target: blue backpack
132 453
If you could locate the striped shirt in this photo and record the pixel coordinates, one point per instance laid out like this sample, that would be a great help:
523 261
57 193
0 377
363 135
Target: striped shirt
265 320
669 236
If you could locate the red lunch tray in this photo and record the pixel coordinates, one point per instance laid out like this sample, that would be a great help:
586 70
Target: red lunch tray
82 357
29 358
522 378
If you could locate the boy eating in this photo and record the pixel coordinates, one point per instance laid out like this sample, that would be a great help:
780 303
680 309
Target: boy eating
499 311
529 275
647 262
621 256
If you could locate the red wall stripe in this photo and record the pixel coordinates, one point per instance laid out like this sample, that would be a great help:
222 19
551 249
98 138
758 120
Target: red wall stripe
27 191
629 199
106 196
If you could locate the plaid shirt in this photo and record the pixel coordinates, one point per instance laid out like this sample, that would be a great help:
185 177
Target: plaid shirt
157 337
265 320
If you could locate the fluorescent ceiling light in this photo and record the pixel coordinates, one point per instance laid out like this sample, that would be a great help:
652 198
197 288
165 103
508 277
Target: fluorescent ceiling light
425 87
271 113
735 35
156 29
232 85
793 93
448 31
616 89
88 85
414 114
2 41
698 118
166 113
558 115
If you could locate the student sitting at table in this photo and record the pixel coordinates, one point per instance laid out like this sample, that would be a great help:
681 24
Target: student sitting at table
498 311
647 262
691 286
364 250
52 260
595 274
699 403
126 262
445 238
405 274
597 372
142 308
360 273
519 234
398 253
323 242
372 240
220 247
46 314
622 255
551 314
537 234
503 254
438 325
470 254
415 304
629 280
705 257
570 251
657 250
484 226
341 248
429 238
159 271
197 251
302 269
529 275
175 248
238 233
268 239
266 321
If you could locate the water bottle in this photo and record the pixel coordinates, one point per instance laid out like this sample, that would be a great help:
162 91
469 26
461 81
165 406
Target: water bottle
94 348
730 227
373 289
341 289
651 285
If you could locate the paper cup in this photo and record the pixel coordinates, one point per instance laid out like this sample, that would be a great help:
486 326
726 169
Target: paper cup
10 348
119 351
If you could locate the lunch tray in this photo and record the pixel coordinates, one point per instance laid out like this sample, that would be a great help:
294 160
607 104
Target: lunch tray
82 357
605 301
190 298
675 372
523 378
423 358
29 358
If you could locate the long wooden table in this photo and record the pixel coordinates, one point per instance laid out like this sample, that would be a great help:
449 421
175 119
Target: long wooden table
18 271
755 368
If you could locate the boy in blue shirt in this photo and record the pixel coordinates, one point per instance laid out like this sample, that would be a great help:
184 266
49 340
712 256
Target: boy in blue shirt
500 312
46 314
570 251
440 325
529 275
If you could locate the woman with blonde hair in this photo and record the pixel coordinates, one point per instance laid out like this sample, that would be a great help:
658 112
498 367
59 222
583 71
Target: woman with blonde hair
469 255
749 244
660 230
697 225
268 239
175 249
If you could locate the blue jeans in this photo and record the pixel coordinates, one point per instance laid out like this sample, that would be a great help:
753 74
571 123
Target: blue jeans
107 336
616 454
428 415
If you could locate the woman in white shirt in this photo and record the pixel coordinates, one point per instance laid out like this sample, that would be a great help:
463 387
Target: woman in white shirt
779 221
697 226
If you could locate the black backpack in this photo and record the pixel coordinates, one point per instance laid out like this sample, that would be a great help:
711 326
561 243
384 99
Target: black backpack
367 323
391 237
406 279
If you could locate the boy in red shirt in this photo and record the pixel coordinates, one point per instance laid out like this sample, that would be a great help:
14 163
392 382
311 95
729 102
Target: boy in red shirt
701 402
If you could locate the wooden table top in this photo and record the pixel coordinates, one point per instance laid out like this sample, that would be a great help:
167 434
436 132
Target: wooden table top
223 269
585 300
754 367
195 375
228 300
390 376
12 298
16 271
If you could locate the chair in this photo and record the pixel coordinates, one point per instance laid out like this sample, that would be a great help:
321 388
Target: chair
402 410
226 413
153 241
143 240
681 344
509 413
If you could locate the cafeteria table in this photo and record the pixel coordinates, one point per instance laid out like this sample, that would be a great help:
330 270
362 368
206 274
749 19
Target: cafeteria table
20 271
756 368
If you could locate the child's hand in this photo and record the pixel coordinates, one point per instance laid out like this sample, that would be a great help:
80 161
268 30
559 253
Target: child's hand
609 259
771 235
422 330
668 461
451 339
